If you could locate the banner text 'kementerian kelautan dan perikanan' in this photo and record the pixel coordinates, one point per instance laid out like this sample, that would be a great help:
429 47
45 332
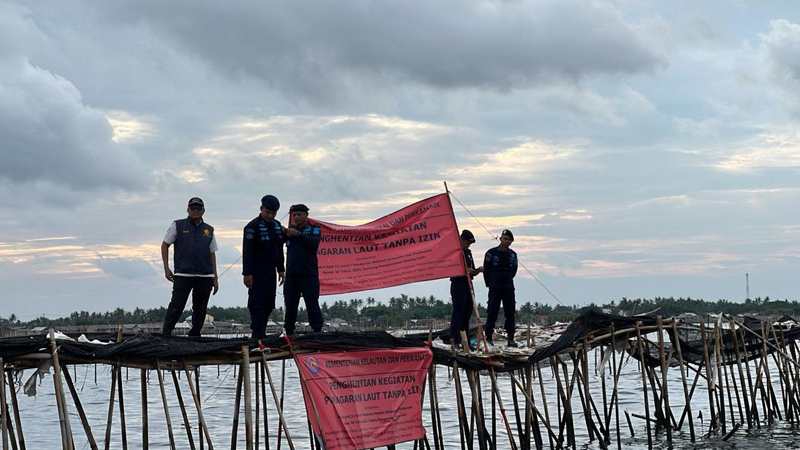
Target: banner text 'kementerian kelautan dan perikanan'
417 243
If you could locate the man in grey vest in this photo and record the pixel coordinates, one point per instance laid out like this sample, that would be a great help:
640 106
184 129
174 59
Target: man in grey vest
195 266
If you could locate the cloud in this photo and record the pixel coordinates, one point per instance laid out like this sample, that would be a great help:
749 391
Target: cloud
130 268
47 134
779 58
331 52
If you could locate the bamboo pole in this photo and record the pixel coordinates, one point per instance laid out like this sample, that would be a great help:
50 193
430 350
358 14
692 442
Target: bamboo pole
533 408
110 415
644 385
438 415
199 424
615 392
752 391
61 401
166 408
248 409
709 377
664 367
719 380
121 403
432 400
735 338
187 425
145 423
197 405
686 395
3 407
256 428
84 420
237 406
264 399
17 417
463 423
277 401
477 409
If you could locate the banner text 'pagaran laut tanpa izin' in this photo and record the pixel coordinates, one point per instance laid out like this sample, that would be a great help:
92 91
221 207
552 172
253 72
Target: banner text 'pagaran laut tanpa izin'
371 398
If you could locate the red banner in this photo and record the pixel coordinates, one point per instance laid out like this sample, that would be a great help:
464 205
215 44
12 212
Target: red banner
417 243
365 399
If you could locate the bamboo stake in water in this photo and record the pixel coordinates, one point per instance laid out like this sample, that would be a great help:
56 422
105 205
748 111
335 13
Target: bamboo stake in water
686 396
145 427
644 385
198 406
121 403
84 420
186 424
3 407
17 417
664 366
166 406
61 401
277 401
237 406
709 377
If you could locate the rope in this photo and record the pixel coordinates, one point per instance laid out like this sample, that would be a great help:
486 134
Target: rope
496 238
240 256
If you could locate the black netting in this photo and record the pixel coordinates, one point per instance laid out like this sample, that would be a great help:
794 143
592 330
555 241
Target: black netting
744 344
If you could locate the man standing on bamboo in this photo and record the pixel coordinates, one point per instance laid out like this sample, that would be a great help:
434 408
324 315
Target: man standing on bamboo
302 272
262 257
195 266
460 292
500 267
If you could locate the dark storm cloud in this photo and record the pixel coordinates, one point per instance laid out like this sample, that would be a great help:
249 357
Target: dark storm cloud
314 50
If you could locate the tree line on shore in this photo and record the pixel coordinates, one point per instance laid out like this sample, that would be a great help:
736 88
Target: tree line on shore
399 311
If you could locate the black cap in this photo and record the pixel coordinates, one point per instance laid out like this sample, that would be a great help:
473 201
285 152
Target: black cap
299 207
270 202
468 236
196 201
508 233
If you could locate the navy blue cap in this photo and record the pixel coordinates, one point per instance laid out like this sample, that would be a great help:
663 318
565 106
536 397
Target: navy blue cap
468 236
196 201
270 202
299 207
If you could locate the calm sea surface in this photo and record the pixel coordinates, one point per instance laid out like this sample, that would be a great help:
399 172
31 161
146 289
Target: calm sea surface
218 389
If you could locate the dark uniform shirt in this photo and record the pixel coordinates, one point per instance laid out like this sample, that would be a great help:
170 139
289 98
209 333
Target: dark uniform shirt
470 266
262 247
301 250
499 268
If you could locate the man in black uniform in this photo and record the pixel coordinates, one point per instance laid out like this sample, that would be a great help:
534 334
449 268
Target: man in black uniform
262 257
302 275
460 292
195 266
500 266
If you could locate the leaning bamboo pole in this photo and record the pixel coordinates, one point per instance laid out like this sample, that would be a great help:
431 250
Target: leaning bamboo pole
3 408
84 420
17 416
66 432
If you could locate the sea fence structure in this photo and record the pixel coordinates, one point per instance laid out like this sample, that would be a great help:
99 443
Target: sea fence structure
732 375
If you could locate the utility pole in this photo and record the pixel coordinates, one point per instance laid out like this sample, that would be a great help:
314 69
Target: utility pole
747 284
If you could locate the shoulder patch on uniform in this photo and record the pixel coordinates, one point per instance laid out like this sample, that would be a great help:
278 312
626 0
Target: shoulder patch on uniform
316 231
248 236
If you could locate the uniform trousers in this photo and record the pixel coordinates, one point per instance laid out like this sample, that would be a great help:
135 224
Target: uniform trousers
506 297
462 308
307 286
261 301
200 288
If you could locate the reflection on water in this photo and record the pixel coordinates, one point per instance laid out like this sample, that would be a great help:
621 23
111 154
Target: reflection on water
218 390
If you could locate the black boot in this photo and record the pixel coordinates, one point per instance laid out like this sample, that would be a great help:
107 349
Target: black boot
511 343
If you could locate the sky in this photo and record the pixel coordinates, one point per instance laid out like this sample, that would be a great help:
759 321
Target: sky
635 148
